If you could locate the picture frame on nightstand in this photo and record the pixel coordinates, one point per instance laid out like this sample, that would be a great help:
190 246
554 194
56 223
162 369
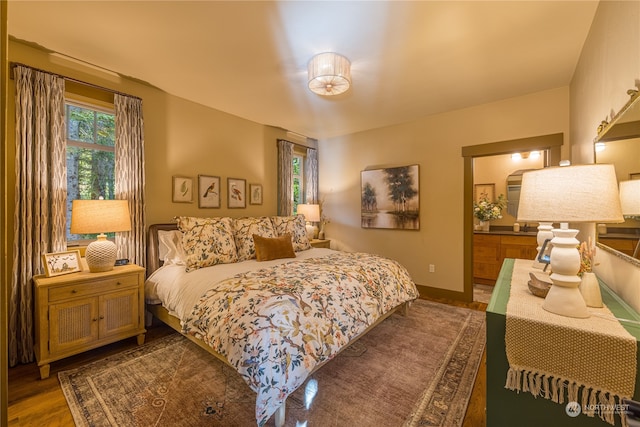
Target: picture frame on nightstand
59 263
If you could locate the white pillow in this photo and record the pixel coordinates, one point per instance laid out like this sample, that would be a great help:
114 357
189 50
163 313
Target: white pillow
170 247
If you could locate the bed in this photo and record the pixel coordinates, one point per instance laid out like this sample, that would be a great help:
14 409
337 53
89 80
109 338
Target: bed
275 319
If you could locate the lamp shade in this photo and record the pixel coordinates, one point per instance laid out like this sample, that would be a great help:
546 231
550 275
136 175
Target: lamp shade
581 193
630 197
329 74
311 212
99 216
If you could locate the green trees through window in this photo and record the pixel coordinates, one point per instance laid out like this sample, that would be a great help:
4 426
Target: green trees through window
298 181
90 156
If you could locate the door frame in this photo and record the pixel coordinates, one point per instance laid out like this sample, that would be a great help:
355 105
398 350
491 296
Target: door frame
551 145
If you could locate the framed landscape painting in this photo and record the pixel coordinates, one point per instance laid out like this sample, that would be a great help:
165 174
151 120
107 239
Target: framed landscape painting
390 198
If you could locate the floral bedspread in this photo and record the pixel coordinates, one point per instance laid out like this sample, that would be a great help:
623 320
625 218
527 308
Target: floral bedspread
276 324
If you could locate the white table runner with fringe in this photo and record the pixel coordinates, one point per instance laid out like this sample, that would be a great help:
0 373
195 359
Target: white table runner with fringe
589 361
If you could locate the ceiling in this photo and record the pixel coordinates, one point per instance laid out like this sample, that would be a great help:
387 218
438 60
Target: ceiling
409 59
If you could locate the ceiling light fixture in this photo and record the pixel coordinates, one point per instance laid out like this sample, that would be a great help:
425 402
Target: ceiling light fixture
329 74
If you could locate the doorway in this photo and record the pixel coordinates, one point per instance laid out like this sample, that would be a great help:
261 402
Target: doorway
550 144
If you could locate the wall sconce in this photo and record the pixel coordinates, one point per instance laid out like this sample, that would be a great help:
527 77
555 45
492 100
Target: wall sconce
533 155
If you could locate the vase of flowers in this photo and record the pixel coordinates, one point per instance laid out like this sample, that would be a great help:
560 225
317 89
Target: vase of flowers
486 210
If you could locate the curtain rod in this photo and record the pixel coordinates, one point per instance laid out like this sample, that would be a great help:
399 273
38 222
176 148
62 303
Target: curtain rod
295 143
13 65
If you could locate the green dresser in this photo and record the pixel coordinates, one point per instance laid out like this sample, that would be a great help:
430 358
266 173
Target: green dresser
509 408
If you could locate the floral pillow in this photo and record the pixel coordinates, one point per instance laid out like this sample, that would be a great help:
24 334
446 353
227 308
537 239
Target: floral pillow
243 231
295 226
207 241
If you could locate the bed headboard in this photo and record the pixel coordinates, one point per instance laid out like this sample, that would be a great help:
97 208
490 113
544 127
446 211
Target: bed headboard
153 247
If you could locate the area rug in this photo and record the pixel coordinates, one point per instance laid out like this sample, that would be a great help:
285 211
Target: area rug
415 370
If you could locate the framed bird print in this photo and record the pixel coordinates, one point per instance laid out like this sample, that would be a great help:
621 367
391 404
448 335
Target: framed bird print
236 193
208 191
255 191
182 189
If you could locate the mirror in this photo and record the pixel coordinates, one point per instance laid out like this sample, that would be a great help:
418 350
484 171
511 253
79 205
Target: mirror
618 143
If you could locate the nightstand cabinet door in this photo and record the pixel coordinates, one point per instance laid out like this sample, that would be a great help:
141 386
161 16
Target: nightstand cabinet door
118 313
72 325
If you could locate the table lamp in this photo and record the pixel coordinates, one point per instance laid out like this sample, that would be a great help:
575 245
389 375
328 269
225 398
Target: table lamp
100 216
569 194
311 214
630 202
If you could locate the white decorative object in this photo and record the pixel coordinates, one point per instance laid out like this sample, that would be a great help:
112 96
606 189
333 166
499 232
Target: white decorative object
329 74
583 193
100 216
590 289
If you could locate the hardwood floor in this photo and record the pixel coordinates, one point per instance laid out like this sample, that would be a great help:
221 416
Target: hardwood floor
36 402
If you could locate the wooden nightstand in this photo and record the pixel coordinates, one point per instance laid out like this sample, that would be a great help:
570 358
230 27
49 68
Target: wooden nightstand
321 243
80 311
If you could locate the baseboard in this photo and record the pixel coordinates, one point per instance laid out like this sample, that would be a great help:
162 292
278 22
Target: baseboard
429 292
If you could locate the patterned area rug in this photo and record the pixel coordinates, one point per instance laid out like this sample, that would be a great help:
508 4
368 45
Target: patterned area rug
416 370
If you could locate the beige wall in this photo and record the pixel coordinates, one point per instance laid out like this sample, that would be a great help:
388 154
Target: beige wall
435 144
181 138
609 65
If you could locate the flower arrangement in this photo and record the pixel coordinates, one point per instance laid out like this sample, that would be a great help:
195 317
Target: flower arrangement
587 254
485 210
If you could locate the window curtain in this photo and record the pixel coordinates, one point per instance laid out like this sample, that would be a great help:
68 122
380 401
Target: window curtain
311 176
285 159
129 171
40 199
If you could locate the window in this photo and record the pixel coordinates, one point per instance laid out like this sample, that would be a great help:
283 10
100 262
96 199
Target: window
90 156
297 172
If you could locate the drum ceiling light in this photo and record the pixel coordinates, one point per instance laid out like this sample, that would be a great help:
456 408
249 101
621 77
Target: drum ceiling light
329 74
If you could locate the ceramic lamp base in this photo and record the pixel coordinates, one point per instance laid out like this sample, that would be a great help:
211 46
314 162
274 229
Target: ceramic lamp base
545 231
564 297
312 231
101 255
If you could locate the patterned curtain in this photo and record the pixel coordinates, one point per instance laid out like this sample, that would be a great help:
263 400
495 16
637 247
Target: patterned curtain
129 170
311 176
41 196
285 159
